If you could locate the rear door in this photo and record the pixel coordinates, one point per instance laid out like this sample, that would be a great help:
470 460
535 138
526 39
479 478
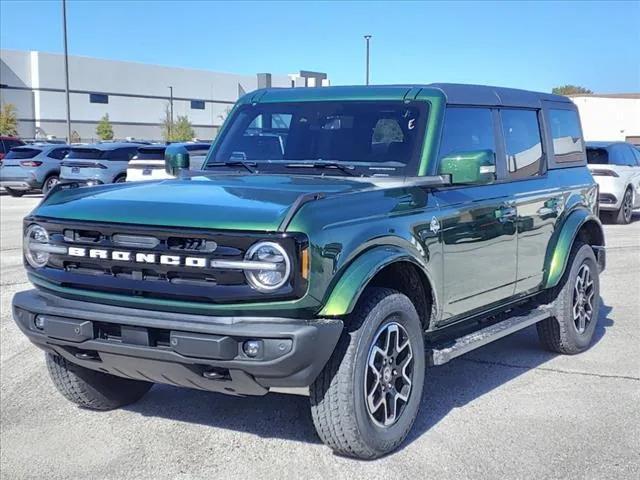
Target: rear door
478 222
538 196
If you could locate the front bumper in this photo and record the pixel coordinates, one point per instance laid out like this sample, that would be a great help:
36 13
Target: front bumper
194 351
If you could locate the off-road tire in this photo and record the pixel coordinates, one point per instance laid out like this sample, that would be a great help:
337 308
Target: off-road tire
337 396
624 215
559 334
15 193
92 389
47 184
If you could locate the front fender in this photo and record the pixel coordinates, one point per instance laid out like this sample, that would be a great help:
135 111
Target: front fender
347 291
561 243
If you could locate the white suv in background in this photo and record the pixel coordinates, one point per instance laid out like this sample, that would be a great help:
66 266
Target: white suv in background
616 168
148 163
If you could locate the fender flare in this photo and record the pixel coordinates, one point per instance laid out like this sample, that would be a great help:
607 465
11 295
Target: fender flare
357 275
562 241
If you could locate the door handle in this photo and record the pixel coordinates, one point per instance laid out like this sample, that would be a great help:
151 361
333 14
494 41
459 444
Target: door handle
506 213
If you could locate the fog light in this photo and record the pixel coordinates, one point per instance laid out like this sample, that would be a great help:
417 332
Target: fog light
252 348
39 322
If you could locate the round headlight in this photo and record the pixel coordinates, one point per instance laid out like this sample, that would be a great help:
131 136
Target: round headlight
36 237
273 277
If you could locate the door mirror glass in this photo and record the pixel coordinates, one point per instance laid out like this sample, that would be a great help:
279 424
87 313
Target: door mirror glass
176 158
470 167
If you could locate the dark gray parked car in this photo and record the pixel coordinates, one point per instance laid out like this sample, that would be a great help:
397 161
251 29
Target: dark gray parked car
32 168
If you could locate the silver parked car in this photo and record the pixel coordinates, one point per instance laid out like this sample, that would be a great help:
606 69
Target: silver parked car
616 168
98 163
34 167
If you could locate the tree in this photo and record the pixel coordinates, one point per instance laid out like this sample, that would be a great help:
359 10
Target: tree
8 120
570 90
104 130
179 130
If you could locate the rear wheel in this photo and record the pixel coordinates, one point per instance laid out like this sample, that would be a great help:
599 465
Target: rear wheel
625 213
15 193
576 305
49 183
92 389
366 399
120 179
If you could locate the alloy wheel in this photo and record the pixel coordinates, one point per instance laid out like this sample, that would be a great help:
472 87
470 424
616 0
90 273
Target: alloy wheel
627 208
389 375
583 293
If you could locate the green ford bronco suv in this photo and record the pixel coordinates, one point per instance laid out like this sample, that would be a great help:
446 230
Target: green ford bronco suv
341 239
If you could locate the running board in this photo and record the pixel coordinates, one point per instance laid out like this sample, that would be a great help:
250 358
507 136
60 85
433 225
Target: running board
440 355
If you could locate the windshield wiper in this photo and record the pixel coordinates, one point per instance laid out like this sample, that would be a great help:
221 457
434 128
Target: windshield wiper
233 163
337 165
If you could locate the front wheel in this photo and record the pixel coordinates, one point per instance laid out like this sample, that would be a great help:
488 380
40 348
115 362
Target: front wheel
575 306
623 217
92 389
366 399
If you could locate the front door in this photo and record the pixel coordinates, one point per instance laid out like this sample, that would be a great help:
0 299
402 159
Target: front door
478 222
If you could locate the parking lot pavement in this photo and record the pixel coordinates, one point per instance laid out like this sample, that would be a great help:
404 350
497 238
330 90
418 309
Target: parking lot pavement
509 410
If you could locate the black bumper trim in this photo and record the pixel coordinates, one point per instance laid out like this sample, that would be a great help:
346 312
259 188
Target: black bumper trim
294 350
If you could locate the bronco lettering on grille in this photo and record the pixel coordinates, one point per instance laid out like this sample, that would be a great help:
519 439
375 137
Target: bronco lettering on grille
137 257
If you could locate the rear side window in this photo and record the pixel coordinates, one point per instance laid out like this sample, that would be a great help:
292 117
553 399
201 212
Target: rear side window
58 153
467 130
567 137
523 142
22 153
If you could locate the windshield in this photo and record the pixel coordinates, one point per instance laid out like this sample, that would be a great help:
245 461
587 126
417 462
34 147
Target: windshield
369 138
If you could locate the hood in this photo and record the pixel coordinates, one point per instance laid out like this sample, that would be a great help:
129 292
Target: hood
231 202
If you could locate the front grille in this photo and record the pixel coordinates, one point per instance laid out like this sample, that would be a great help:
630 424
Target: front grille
162 281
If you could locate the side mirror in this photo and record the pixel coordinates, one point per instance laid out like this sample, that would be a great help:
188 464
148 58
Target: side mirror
176 158
477 166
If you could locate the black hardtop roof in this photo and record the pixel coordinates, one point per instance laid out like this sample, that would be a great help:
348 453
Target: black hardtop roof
454 93
463 94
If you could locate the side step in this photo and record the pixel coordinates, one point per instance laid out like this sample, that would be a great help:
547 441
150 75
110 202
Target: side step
441 354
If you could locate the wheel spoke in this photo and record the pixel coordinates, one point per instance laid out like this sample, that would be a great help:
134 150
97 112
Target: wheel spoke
582 322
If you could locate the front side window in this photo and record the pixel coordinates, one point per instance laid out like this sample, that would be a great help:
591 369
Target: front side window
567 137
523 142
468 145
381 138
621 154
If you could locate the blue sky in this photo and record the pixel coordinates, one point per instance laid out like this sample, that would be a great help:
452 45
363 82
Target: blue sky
517 44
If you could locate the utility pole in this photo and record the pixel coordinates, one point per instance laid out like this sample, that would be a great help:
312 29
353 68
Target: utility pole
66 67
367 38
171 110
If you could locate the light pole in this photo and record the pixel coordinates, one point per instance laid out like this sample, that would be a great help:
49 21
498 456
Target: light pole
66 67
367 38
171 110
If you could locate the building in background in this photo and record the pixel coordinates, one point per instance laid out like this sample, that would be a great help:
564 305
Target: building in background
614 116
134 95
